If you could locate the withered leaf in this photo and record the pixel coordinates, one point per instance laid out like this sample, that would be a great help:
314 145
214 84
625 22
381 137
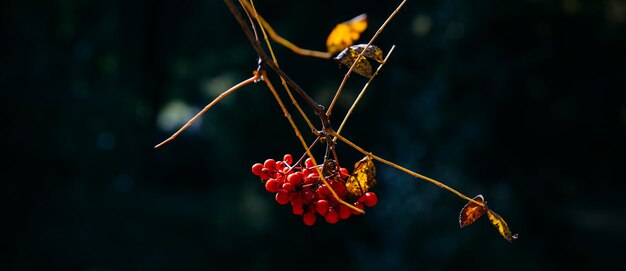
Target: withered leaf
501 225
348 56
346 33
471 212
362 178
372 51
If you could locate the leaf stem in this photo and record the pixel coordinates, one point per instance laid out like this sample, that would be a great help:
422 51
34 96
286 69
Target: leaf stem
282 41
403 169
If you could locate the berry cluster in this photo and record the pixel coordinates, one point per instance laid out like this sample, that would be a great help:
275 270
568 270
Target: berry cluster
301 186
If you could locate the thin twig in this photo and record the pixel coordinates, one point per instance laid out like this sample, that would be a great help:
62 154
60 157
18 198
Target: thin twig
263 56
281 40
358 98
282 80
221 96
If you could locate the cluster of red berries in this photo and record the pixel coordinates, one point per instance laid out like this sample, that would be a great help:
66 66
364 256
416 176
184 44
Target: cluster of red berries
301 186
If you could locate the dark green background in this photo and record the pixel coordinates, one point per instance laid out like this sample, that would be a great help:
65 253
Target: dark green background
521 101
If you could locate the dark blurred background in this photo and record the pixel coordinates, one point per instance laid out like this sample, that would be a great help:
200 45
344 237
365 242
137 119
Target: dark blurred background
521 101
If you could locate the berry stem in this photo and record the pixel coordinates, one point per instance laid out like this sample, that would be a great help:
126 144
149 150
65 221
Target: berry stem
403 169
303 142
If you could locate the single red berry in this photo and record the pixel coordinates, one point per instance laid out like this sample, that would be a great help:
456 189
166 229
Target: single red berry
296 207
344 212
370 199
323 192
280 165
308 163
307 197
311 178
340 189
280 179
295 179
282 197
296 198
332 216
270 163
265 174
257 169
343 172
359 206
322 206
309 218
288 186
288 159
272 186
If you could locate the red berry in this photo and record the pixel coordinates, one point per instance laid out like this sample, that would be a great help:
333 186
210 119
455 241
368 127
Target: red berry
281 180
288 187
272 186
311 178
308 163
257 169
359 206
280 165
344 212
307 197
270 163
323 192
309 218
370 199
282 197
295 179
332 216
340 189
343 172
322 206
296 198
288 159
297 209
265 174
297 205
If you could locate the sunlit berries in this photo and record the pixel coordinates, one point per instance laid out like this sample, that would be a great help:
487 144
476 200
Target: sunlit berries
300 186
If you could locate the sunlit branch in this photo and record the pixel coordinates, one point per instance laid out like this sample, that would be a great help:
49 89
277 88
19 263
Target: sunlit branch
282 80
221 96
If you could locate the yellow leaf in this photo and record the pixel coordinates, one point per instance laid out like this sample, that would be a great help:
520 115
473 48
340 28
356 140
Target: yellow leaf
362 178
346 33
501 225
472 211
348 56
